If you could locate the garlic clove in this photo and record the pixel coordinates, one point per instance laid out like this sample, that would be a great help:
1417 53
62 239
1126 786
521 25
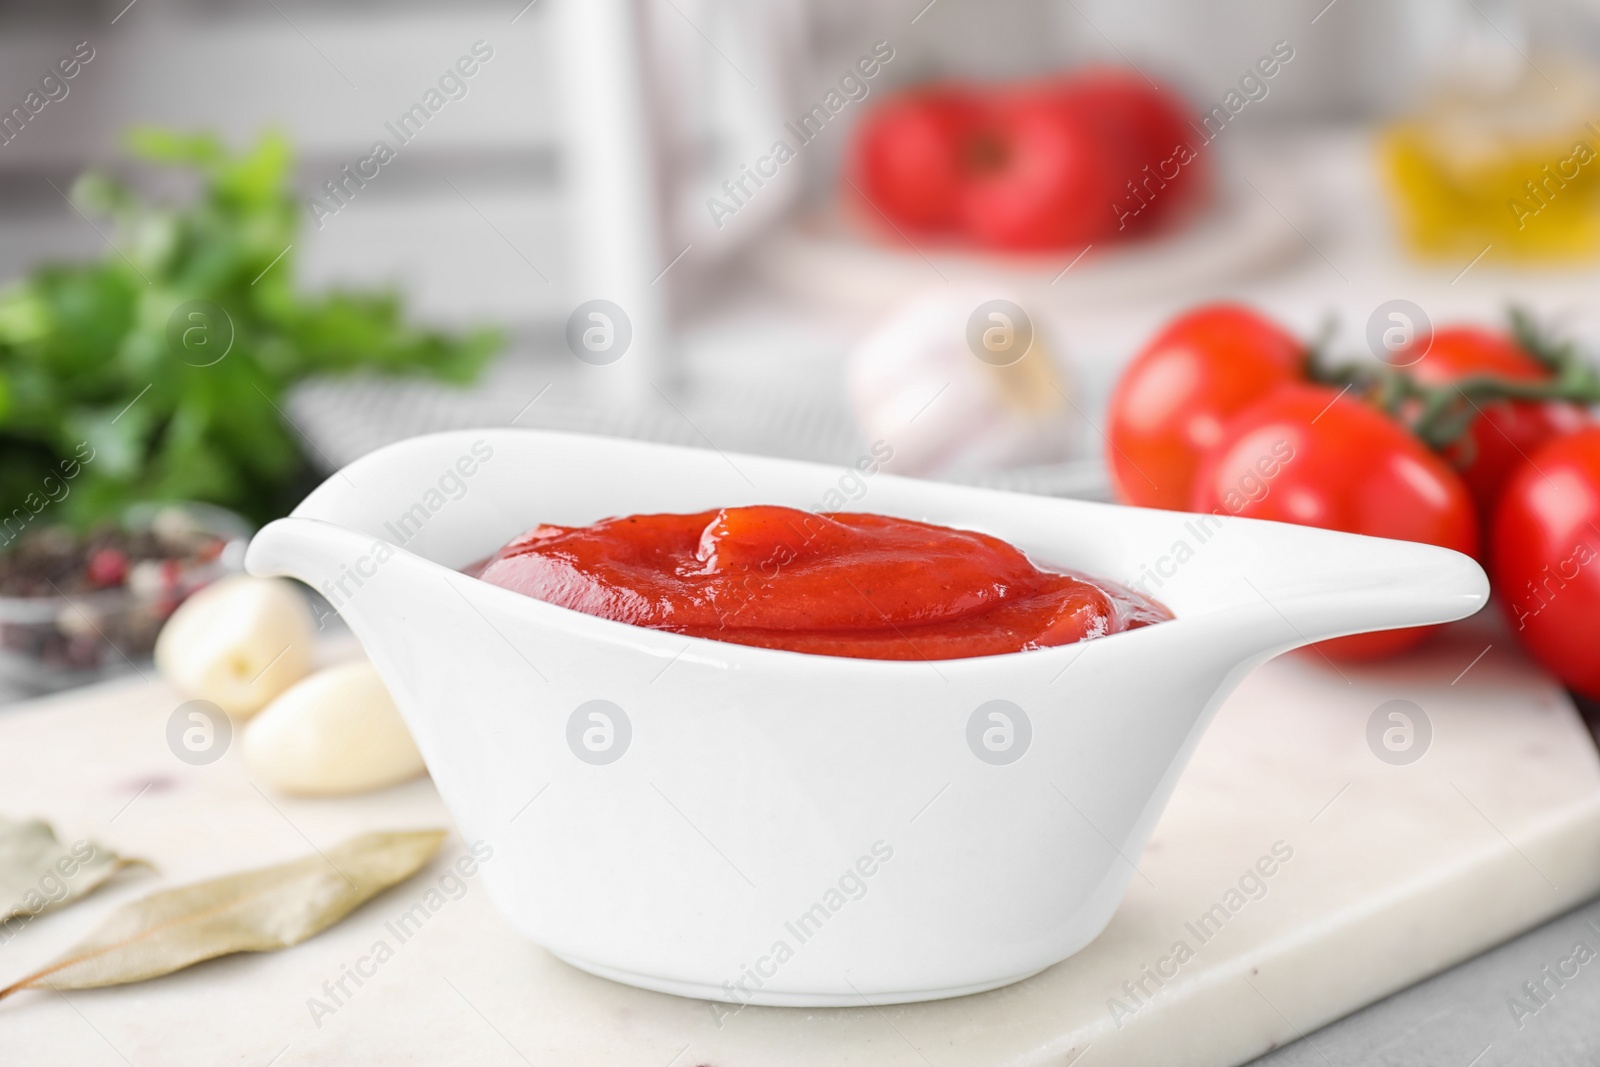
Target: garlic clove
918 383
237 643
335 732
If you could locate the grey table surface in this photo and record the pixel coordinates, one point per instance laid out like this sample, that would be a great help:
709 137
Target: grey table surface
1465 1017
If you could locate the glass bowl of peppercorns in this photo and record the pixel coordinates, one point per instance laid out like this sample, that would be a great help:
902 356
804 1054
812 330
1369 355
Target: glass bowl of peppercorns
77 606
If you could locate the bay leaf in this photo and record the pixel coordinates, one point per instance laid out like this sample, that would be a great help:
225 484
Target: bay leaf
38 872
255 911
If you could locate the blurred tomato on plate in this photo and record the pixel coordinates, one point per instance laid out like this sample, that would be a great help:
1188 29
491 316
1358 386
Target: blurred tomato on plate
1097 155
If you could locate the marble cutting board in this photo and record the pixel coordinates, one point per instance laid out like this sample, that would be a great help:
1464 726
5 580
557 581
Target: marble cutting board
1296 876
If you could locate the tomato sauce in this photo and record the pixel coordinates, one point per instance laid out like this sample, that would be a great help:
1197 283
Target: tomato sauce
842 584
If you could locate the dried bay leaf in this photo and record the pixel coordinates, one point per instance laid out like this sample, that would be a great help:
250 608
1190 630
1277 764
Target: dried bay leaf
256 911
38 872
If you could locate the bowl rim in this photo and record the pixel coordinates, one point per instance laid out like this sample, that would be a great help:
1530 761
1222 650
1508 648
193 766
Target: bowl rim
1248 620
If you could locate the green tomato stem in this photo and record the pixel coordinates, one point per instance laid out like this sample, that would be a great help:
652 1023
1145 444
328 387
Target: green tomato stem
1441 415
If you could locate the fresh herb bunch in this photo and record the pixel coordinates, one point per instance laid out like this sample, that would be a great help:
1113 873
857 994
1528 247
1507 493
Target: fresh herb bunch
192 306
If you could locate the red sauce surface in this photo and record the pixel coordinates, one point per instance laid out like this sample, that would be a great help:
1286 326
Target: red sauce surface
843 584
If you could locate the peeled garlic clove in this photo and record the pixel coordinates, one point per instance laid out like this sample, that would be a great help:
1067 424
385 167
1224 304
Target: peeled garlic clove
337 731
237 643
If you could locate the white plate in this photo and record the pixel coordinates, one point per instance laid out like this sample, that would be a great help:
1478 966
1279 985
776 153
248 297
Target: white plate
826 258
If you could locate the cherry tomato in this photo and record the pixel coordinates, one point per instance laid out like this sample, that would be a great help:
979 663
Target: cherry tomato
1306 455
1545 557
1172 401
1508 431
1156 171
1038 177
910 156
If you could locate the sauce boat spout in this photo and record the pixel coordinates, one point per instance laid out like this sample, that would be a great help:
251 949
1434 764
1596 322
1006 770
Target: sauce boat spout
371 583
317 553
1301 585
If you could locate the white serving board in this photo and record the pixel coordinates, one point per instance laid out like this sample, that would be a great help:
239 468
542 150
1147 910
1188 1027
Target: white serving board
1397 872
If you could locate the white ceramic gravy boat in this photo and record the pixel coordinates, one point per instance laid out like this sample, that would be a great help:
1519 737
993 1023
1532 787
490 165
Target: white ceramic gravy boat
780 828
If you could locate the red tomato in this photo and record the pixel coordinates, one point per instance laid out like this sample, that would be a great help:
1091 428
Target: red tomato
1305 455
1545 557
1052 165
1038 179
1172 401
1509 430
909 156
1156 170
